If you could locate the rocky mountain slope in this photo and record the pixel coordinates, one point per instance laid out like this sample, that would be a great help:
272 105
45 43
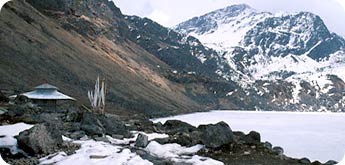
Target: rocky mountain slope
291 59
70 43
149 69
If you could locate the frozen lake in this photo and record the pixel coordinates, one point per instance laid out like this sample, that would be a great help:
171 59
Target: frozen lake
317 136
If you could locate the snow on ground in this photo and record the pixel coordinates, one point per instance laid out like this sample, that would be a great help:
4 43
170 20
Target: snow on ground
150 136
317 136
7 133
179 154
96 152
170 150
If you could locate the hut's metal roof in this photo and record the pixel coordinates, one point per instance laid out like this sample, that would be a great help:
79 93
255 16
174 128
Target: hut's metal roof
47 92
46 86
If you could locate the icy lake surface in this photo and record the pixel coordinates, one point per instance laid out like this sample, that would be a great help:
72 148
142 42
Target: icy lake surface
317 136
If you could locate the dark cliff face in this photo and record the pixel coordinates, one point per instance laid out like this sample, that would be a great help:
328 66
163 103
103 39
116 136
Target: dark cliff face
88 18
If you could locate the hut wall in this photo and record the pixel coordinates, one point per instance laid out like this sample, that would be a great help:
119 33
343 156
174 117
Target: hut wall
46 104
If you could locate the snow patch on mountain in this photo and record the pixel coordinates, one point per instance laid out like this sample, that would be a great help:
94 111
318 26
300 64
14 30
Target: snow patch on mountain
227 27
235 27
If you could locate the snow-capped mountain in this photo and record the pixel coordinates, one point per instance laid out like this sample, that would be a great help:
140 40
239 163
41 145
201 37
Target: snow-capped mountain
269 51
223 28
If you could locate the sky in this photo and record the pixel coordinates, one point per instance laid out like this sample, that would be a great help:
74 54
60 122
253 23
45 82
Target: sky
171 12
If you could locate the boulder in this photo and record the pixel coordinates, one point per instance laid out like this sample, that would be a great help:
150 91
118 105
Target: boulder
268 145
91 125
73 115
40 139
331 162
252 138
142 141
216 135
278 150
176 126
114 126
316 163
239 137
304 161
186 139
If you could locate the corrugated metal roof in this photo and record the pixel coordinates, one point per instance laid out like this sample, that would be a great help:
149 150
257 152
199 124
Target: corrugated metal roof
46 86
47 95
46 92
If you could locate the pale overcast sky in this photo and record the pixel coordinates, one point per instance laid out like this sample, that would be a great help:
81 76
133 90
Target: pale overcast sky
172 12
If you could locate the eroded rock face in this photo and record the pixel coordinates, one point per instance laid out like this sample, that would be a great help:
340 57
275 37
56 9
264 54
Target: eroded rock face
216 135
40 139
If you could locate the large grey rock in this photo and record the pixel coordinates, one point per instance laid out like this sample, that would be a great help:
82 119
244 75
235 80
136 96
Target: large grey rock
187 139
73 115
304 161
331 162
114 126
142 141
268 145
278 150
40 139
176 126
216 135
91 125
253 138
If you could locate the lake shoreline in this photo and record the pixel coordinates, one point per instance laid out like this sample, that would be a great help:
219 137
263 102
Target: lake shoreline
220 142
275 121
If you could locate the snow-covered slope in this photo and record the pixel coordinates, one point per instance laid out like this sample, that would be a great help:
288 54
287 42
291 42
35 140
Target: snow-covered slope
223 28
268 51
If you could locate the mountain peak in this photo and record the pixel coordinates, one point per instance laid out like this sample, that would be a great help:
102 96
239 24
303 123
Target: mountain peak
237 7
211 21
229 11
